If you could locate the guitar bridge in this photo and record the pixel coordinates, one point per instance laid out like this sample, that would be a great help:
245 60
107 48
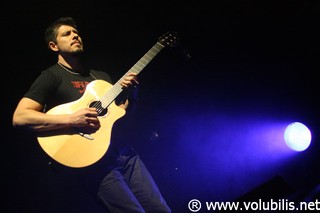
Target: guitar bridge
87 136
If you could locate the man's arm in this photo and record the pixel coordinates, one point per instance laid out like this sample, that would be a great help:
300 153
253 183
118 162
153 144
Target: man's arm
28 115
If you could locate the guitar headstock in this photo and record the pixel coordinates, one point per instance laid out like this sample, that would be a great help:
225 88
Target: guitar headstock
169 39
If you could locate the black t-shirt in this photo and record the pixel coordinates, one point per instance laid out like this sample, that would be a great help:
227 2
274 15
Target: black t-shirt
57 85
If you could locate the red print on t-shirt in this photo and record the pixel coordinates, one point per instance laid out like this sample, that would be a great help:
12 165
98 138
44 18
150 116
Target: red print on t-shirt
81 85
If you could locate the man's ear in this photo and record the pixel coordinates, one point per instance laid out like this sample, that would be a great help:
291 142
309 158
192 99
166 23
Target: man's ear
53 46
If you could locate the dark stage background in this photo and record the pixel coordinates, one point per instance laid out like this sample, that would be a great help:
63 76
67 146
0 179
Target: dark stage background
208 115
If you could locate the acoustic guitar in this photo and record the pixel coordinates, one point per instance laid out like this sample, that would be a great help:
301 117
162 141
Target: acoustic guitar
78 148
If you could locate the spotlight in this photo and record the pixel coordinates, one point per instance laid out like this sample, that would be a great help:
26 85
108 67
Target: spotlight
297 136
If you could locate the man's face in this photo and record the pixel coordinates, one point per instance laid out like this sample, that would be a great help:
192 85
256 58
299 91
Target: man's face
68 40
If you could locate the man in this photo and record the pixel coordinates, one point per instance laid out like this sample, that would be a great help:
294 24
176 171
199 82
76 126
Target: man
126 185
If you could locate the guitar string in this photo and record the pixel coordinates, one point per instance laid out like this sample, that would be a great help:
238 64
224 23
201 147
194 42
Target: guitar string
137 68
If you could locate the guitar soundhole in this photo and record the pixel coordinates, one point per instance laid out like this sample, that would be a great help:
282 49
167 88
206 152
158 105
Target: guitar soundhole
101 111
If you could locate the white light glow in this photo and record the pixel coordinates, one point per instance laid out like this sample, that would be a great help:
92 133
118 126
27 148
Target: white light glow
297 136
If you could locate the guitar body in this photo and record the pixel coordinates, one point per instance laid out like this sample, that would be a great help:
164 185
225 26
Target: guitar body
71 147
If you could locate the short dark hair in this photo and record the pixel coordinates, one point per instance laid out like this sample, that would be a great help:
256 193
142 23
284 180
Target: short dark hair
51 32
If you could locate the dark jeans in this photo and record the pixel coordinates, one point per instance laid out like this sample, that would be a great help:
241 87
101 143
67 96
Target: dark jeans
130 187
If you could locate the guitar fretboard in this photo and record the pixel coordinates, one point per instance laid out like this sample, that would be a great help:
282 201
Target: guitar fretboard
110 96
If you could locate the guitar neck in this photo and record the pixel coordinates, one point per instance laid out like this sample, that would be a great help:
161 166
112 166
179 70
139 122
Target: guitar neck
137 68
